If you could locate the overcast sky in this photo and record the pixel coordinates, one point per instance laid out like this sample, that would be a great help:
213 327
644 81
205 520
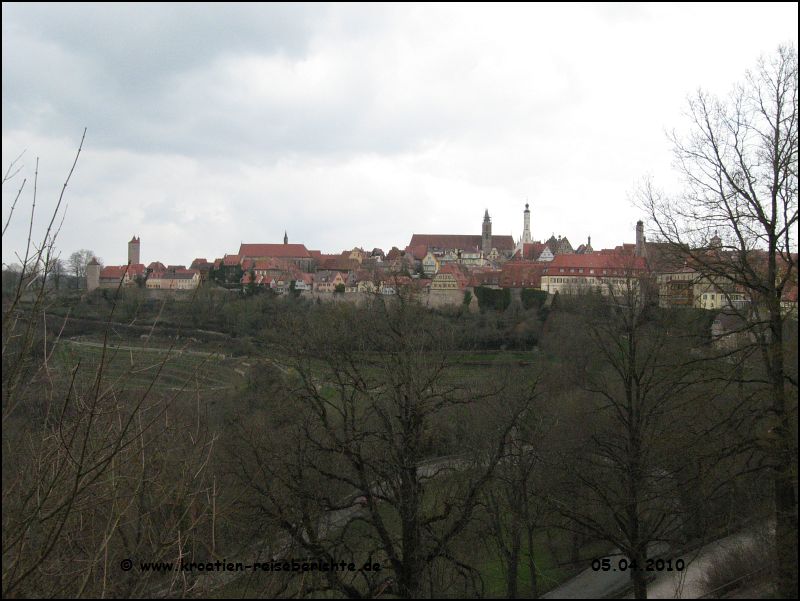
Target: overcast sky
211 125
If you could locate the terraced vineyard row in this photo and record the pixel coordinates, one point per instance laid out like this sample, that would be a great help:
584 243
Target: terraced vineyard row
134 368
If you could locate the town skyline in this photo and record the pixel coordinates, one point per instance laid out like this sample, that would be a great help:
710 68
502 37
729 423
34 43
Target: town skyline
402 245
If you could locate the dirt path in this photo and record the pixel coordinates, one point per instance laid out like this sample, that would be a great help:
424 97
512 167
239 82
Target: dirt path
146 349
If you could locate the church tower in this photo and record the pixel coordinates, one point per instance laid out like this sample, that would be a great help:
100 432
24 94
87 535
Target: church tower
526 230
133 251
640 248
486 234
285 237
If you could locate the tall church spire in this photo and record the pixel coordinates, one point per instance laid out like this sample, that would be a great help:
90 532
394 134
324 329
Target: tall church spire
285 237
486 234
526 230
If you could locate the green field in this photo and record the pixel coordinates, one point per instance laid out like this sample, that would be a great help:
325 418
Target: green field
136 368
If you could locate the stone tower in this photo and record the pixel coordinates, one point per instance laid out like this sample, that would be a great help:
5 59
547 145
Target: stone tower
639 238
92 274
285 237
486 234
526 230
133 251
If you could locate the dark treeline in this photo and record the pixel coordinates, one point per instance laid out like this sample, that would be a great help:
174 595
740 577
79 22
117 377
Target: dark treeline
516 325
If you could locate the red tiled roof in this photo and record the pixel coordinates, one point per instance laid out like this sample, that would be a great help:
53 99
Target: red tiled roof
532 250
522 275
460 241
340 262
116 272
615 261
176 273
457 272
231 260
112 272
488 277
418 251
286 251
268 264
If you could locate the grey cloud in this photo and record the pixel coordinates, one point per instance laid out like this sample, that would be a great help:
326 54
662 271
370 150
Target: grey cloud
151 78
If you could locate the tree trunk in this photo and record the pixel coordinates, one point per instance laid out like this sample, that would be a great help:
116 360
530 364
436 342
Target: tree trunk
532 566
638 579
410 580
576 548
785 498
513 563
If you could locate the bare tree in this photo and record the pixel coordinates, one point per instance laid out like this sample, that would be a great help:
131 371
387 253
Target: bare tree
515 504
374 386
77 263
95 470
625 473
736 223
57 270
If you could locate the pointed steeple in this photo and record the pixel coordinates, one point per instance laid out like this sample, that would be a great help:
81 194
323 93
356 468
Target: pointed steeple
486 234
526 226
285 237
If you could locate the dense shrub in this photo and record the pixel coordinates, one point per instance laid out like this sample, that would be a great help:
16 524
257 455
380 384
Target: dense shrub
533 299
490 298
